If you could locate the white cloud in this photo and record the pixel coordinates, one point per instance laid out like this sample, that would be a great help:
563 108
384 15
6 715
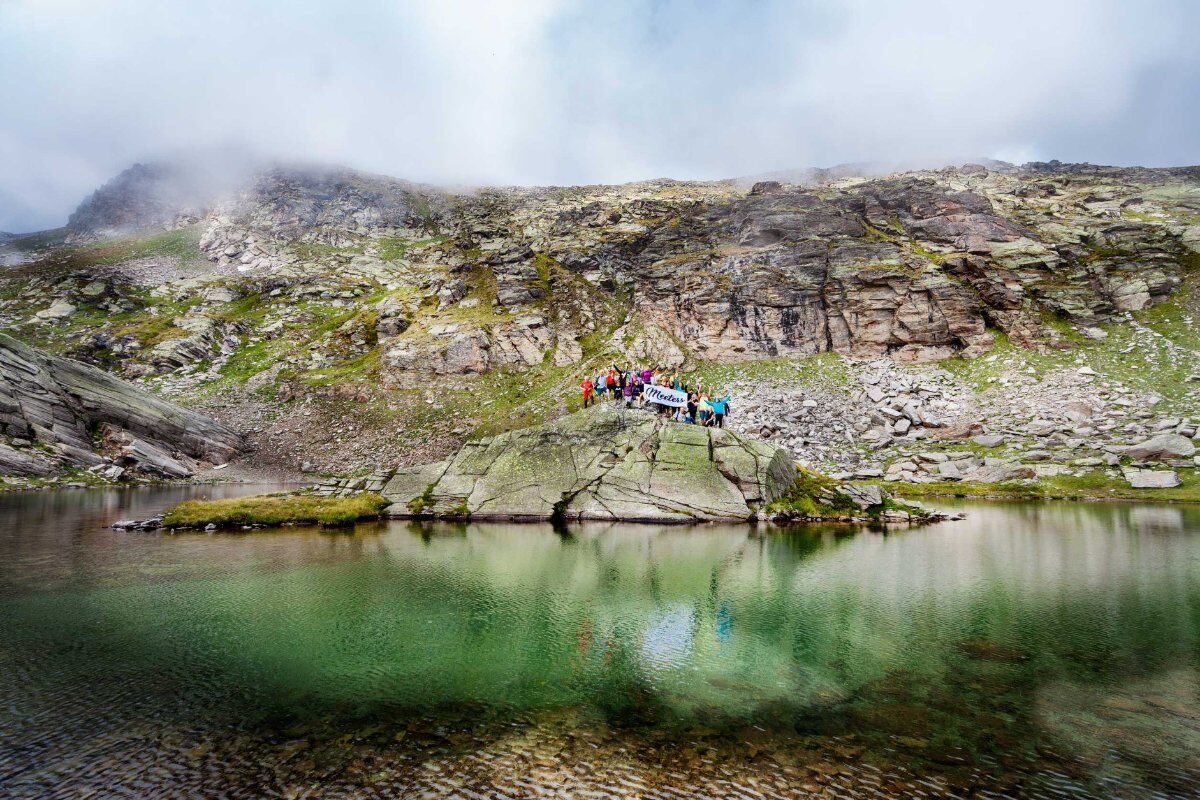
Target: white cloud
568 91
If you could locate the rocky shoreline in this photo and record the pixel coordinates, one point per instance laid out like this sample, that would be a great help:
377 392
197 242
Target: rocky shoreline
614 464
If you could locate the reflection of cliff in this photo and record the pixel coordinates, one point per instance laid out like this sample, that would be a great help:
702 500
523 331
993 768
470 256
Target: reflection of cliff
710 622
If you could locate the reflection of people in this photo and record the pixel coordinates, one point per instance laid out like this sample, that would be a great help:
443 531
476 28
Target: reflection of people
724 622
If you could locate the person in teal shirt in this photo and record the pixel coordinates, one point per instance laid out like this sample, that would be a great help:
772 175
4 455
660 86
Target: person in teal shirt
719 406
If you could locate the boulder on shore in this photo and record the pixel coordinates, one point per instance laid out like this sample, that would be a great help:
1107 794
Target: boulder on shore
600 464
1165 446
1152 478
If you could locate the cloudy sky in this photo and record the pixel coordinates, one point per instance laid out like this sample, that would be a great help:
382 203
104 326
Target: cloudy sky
571 91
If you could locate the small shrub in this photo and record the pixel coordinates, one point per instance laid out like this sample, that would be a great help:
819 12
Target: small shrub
813 495
418 504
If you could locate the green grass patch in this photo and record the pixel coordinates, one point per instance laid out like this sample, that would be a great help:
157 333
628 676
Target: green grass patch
1158 359
352 370
274 510
248 308
825 369
39 240
183 243
418 504
254 358
519 399
394 248
1014 490
151 330
315 251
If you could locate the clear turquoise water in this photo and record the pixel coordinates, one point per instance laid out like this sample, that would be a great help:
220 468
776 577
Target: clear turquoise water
1030 650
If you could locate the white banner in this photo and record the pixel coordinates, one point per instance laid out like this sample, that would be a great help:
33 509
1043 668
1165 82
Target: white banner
664 396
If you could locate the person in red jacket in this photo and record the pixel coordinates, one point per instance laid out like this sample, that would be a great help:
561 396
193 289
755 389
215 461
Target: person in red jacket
587 387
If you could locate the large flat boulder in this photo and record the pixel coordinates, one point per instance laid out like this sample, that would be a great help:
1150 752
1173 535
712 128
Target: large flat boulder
1152 478
600 464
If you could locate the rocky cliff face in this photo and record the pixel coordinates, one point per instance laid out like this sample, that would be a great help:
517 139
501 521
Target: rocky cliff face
143 197
916 266
56 413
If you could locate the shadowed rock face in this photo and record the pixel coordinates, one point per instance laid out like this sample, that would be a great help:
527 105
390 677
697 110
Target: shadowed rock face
75 413
600 464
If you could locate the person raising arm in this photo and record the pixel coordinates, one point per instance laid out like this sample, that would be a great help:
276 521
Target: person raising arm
719 406
704 411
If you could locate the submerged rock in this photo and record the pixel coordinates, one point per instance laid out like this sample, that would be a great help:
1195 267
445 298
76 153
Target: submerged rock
149 524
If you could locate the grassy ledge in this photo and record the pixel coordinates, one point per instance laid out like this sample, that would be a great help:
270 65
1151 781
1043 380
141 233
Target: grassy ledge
275 509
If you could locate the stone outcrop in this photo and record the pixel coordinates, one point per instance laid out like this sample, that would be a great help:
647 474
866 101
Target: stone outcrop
598 464
287 217
204 337
332 286
154 196
57 413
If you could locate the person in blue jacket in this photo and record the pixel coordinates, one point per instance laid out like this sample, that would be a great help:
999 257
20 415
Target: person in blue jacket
720 405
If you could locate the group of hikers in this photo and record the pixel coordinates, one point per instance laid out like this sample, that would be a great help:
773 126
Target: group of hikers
643 388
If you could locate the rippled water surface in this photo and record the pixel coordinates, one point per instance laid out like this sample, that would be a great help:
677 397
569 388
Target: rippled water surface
1029 651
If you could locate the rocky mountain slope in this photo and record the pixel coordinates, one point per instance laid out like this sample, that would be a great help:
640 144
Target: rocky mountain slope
917 266
57 414
347 320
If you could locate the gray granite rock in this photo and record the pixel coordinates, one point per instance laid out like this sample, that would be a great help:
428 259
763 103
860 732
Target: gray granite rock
604 463
66 405
1162 447
1152 478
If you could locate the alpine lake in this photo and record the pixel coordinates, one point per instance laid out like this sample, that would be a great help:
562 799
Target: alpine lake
1029 650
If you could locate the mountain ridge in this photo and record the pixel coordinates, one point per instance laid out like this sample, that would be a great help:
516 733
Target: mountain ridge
328 285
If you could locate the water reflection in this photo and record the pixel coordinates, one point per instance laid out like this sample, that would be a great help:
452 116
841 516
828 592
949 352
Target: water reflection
1029 646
